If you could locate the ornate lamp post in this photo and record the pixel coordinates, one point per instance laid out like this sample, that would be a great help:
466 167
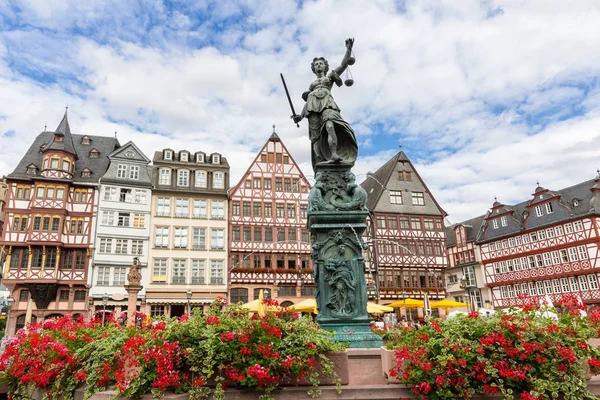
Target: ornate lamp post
189 294
9 303
104 302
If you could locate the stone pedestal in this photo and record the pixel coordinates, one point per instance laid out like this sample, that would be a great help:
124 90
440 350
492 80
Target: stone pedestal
132 292
336 219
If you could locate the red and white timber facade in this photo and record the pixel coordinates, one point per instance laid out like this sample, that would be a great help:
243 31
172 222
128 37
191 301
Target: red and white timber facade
465 280
547 246
51 207
269 245
406 233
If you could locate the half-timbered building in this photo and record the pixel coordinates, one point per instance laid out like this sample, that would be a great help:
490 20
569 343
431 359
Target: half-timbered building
3 190
51 206
546 246
123 227
269 244
465 278
188 252
406 235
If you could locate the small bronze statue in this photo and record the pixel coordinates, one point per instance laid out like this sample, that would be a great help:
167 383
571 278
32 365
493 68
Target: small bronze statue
332 138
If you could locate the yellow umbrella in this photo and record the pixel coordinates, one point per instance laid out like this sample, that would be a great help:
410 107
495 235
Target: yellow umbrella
373 308
408 303
448 304
261 306
306 305
252 306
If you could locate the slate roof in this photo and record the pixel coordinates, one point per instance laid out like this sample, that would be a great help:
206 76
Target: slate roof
581 199
473 229
98 166
67 144
383 180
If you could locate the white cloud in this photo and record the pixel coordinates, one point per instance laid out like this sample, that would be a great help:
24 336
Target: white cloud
480 93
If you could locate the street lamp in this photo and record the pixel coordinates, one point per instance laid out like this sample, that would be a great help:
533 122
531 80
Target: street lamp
104 302
189 294
9 303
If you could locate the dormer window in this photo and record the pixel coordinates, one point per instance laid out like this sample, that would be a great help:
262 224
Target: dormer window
94 153
86 173
200 158
216 159
183 156
32 170
59 138
168 155
86 140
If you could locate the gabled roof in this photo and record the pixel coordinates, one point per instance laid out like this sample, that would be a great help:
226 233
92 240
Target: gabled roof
382 180
63 130
97 166
472 226
124 148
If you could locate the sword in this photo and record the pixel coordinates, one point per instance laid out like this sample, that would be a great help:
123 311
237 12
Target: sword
289 99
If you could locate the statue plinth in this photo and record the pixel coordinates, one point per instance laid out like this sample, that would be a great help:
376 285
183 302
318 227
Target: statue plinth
336 219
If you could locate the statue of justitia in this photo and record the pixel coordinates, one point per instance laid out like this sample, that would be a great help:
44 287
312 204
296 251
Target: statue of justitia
332 138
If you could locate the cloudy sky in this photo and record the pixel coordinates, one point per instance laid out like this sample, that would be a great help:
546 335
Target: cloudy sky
485 96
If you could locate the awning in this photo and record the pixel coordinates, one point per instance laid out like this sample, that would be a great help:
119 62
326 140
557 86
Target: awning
179 301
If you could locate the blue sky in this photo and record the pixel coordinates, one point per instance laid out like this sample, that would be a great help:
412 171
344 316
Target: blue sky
486 97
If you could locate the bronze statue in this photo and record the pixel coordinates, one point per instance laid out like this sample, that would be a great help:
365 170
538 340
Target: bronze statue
332 138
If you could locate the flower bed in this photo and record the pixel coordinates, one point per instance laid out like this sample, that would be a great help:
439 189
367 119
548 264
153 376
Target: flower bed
227 348
519 355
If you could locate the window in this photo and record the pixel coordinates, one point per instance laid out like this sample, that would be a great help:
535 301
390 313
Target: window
303 211
218 180
123 219
125 195
199 238
548 286
392 222
556 285
181 238
267 183
182 208
159 270
216 272
550 233
164 176
593 280
256 183
281 234
577 226
55 224
50 193
134 172
246 208
168 155
291 210
428 225
563 256
235 208
547 259
292 234
278 185
122 246
50 258
54 163
287 184
183 177
235 233
549 209
105 245
574 283
63 295
161 238
404 223
163 207
216 159
94 153
247 234
198 272
573 254
280 210
137 247
395 197
199 208
122 171
46 224
418 199
555 258
120 276
268 210
140 196
583 282
80 295
469 275
60 193
268 234
258 234
179 267
583 255
568 228
495 223
503 220
86 173
201 181
157 310
183 156
257 209
217 210
103 276
239 295
559 230
217 239
199 158
110 193
415 224
539 211
564 284
533 237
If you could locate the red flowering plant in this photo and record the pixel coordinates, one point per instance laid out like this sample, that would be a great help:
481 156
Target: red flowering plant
231 348
521 354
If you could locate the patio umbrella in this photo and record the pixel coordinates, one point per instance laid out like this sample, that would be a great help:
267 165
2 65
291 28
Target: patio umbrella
252 306
373 308
448 304
306 305
408 303
261 308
